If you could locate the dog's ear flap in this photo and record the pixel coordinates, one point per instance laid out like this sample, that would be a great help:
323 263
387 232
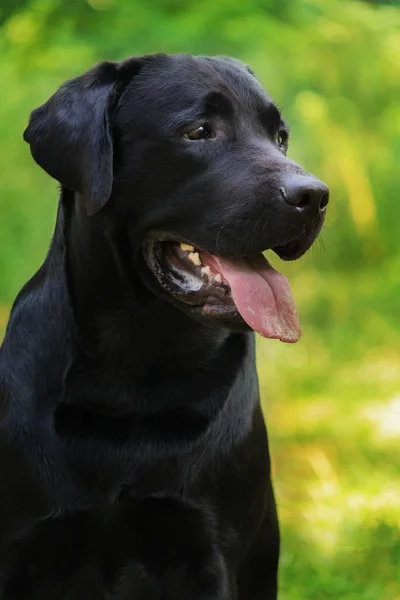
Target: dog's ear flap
71 134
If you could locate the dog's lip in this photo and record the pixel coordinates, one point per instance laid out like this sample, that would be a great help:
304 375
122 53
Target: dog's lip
171 270
160 237
290 251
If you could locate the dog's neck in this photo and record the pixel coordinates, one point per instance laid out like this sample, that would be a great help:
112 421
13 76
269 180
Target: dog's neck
118 319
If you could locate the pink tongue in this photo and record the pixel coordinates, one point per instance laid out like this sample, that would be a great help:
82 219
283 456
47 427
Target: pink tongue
262 296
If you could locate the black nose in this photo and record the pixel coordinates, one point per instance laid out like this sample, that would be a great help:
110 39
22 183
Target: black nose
305 192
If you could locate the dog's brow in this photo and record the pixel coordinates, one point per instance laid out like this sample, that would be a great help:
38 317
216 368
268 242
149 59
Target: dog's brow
217 103
270 116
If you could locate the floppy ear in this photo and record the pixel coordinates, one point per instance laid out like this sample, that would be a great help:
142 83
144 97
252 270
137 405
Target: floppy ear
71 134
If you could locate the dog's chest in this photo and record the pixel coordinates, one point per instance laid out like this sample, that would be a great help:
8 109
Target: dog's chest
152 549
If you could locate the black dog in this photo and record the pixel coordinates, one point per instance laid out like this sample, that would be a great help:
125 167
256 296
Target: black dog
134 460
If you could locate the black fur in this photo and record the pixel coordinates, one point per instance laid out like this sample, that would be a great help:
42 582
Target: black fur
134 459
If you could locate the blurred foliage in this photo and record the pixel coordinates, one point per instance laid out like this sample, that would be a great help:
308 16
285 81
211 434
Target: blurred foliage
333 400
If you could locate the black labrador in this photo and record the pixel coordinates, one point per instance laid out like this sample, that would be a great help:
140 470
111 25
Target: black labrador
134 461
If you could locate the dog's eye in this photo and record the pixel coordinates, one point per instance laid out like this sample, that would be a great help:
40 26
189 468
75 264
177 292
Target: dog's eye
282 139
199 133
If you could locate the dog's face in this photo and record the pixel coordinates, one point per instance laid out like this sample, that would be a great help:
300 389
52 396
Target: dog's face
200 180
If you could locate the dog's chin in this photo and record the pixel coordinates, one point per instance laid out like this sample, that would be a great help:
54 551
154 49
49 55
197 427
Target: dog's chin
200 284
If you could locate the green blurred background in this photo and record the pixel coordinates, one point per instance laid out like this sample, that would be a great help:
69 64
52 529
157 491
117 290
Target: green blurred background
333 400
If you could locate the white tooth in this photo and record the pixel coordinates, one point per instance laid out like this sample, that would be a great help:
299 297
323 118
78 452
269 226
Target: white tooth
195 258
206 271
218 278
187 248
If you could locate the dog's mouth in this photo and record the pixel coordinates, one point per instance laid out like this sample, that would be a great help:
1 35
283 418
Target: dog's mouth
247 290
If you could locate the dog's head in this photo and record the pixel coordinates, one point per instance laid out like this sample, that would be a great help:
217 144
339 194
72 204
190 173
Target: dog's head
187 155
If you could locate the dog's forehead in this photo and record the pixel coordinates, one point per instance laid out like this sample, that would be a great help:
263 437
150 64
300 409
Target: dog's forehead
238 77
182 80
